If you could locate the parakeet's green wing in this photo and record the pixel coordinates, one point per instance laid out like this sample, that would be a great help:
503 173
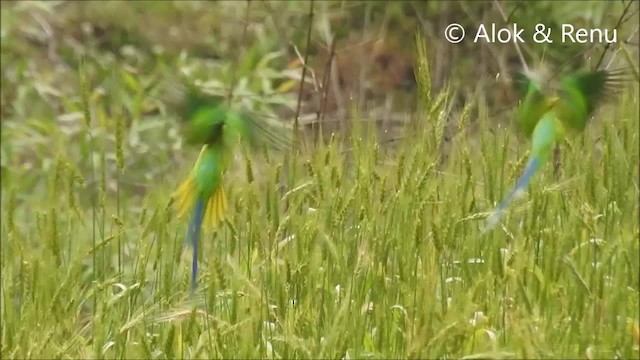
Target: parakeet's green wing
533 106
581 92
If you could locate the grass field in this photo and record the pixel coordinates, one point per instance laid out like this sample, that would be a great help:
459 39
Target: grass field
347 249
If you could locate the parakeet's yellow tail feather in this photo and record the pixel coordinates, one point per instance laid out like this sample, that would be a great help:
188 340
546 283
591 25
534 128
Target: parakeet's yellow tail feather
186 192
216 208
185 196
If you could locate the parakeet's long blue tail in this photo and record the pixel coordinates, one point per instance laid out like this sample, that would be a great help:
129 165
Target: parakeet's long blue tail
521 184
193 235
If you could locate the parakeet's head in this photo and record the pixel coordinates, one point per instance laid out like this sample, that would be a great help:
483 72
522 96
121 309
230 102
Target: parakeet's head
195 100
206 125
203 114
208 120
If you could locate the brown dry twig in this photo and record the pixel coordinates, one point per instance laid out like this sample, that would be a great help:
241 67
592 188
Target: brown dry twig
296 125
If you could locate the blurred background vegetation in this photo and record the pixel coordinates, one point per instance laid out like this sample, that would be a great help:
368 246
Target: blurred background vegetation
252 51
133 49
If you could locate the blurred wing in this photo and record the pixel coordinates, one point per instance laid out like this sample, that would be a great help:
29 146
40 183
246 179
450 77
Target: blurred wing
581 93
264 133
532 106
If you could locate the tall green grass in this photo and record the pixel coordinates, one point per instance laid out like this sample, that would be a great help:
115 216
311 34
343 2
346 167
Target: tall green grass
367 252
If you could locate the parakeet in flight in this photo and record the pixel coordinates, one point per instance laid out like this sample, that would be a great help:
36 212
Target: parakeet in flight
547 118
219 130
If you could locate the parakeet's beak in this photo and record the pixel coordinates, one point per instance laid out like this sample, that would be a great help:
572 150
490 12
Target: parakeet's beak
552 101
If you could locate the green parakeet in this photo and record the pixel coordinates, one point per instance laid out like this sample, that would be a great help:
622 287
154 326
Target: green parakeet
546 119
219 130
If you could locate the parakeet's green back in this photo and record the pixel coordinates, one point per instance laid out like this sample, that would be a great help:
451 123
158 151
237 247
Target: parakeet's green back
209 170
546 133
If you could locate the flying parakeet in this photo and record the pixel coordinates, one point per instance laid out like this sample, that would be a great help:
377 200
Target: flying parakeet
546 119
219 130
